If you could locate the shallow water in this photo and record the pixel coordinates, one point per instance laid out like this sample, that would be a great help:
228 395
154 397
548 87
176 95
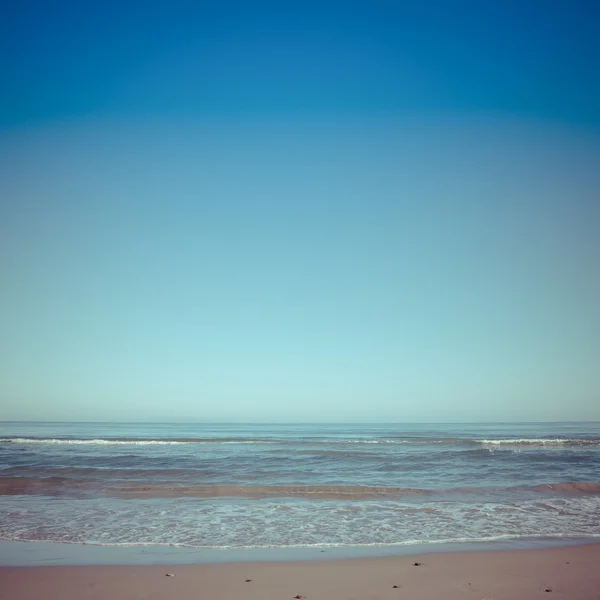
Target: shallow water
236 486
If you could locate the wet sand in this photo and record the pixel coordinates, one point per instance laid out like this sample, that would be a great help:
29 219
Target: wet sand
569 572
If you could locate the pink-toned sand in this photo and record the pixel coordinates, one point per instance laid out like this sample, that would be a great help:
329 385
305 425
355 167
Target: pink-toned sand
569 573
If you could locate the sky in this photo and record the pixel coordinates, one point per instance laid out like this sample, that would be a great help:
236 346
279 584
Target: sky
300 212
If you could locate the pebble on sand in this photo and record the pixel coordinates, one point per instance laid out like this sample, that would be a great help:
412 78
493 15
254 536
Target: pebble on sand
169 574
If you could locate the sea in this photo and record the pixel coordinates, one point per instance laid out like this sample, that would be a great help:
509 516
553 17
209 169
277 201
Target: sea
234 486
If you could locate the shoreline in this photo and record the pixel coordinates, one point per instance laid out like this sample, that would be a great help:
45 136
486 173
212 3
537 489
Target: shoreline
569 572
44 553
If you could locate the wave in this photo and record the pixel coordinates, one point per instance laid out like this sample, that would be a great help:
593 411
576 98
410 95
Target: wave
132 441
555 441
542 442
62 485
450 441
168 441
411 542
454 441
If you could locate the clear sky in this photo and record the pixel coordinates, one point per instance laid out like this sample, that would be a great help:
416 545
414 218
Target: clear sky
383 211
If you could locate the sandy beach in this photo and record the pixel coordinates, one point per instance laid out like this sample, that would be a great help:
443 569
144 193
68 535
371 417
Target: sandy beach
568 572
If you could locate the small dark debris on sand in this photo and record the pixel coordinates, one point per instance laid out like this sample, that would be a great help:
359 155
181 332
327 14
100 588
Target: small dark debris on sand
548 590
169 574
299 597
417 564
395 586
248 580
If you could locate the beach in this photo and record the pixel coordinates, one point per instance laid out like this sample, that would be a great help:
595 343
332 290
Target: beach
266 512
569 572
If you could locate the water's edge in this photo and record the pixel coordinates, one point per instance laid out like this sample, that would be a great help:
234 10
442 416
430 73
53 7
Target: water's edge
36 554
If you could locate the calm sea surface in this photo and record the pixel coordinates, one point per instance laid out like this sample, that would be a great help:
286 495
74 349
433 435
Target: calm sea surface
236 486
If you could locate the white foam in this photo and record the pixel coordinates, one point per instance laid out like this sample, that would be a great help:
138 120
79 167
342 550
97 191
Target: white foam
248 524
126 442
543 441
415 542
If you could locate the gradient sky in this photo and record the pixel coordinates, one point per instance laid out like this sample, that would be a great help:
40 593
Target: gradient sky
383 211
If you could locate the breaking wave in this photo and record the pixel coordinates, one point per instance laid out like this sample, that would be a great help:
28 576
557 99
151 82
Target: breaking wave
133 441
301 524
141 441
542 442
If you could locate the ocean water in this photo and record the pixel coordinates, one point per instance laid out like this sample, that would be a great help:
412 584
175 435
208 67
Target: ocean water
265 486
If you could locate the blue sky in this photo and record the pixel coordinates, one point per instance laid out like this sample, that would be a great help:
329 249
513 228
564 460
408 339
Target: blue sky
322 212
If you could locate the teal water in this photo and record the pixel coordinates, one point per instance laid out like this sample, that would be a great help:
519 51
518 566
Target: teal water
260 486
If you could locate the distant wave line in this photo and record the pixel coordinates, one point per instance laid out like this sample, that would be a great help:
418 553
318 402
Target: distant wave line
528 442
543 442
134 441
